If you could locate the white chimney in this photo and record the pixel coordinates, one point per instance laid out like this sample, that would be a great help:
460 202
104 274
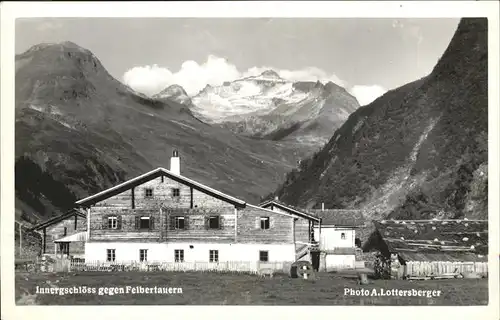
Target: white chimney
276 198
322 206
175 163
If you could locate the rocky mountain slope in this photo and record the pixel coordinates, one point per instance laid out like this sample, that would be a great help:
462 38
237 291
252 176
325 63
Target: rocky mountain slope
269 107
174 93
417 152
78 131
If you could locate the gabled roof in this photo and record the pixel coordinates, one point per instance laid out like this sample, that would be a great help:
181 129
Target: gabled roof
289 209
77 237
339 217
427 239
58 218
270 211
153 175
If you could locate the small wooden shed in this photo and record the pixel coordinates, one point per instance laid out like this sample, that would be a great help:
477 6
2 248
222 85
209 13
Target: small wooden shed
431 248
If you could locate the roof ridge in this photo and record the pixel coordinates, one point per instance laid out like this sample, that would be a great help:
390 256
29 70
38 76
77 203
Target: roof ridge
159 170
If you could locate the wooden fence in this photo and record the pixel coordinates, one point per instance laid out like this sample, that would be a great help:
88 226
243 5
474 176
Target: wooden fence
224 266
424 268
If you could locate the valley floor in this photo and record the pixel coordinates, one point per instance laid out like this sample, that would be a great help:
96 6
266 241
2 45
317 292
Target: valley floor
238 289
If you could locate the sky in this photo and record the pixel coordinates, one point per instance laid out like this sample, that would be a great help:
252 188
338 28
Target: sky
367 56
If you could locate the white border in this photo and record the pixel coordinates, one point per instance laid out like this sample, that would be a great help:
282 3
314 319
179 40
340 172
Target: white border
428 9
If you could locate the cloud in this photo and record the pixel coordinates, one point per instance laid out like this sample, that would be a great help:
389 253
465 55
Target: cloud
193 77
49 25
367 93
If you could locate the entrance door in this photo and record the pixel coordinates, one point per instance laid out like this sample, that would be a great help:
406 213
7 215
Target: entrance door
64 248
315 260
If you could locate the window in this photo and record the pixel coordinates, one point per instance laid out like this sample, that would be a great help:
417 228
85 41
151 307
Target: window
263 256
65 232
357 242
143 255
342 236
213 222
112 222
179 223
176 192
214 255
144 223
264 222
64 248
111 254
148 193
179 255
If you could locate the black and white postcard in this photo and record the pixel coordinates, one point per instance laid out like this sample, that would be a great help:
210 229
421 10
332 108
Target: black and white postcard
250 154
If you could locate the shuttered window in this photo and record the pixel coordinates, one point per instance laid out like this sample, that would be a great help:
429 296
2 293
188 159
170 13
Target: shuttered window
112 222
213 222
264 223
178 223
176 192
144 222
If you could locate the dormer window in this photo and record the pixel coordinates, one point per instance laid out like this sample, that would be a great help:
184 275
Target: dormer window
148 193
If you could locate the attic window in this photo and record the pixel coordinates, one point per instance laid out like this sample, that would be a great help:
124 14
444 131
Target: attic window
342 236
148 193
176 192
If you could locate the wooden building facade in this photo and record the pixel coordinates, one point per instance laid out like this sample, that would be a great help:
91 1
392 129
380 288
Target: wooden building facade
165 217
303 227
58 234
331 234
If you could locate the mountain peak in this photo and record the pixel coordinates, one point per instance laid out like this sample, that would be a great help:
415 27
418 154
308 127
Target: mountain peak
175 93
173 89
53 46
